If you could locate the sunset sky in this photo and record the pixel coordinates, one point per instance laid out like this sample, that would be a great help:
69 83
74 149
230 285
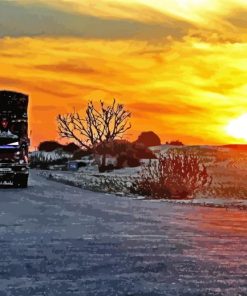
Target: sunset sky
180 66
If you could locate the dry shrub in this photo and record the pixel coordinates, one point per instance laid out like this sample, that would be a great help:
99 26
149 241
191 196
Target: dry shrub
172 176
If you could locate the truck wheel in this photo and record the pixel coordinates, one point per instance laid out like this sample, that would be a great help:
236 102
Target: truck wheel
24 182
21 182
15 183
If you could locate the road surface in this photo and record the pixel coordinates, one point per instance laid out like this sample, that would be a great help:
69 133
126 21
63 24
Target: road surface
60 240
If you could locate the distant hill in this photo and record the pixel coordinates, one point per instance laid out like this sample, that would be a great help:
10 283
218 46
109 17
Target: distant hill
149 139
242 147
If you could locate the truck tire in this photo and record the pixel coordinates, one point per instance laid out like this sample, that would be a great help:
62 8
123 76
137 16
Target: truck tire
20 181
24 182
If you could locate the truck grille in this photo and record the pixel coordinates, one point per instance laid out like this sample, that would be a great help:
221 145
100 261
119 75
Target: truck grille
5 170
4 160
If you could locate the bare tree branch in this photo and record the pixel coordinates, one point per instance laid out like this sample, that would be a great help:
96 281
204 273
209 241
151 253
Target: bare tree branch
104 124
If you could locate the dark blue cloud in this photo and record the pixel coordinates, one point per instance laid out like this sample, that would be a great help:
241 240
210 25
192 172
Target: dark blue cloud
18 20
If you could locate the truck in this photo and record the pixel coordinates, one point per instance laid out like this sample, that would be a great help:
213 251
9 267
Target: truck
14 141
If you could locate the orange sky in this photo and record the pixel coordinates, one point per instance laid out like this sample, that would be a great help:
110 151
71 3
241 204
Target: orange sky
180 67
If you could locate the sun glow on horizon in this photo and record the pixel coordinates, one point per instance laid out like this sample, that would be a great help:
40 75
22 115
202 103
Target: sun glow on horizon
179 66
237 128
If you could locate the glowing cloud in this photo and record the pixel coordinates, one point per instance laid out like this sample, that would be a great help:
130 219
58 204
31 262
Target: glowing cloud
203 12
186 84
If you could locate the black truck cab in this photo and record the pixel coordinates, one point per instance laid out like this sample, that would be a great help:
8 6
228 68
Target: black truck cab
14 142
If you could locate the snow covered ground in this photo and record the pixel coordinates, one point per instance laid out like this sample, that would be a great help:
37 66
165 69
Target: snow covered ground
120 181
227 167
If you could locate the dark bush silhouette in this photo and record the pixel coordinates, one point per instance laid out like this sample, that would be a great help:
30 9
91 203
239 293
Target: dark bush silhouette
106 168
70 148
133 162
122 160
173 176
127 159
116 147
78 154
149 139
142 151
127 154
175 143
132 155
49 146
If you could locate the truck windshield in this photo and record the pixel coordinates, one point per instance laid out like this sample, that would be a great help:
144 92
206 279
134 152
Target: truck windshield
19 129
8 141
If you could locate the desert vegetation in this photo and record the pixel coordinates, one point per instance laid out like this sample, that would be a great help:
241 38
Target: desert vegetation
173 176
126 154
50 146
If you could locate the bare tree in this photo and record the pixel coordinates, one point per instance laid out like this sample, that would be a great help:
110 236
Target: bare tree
96 126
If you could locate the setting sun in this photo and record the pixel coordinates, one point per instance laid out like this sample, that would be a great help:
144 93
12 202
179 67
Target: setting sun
238 127
179 66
